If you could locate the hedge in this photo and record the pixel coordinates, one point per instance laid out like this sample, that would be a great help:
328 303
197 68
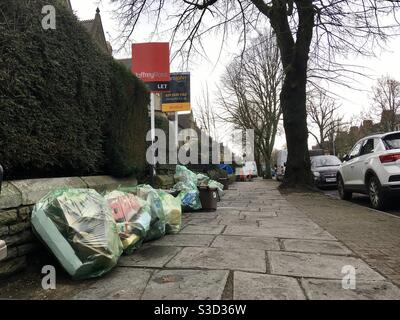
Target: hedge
65 107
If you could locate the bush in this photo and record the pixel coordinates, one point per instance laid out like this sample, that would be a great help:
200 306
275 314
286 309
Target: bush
65 107
127 128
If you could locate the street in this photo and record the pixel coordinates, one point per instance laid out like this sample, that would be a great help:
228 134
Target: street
363 200
259 244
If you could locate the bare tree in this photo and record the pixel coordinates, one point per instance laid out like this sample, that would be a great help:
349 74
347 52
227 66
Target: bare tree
322 114
319 29
386 99
207 115
250 95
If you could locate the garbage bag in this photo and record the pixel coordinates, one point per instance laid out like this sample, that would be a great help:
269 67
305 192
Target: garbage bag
202 180
132 216
212 184
185 176
187 185
78 227
172 211
153 207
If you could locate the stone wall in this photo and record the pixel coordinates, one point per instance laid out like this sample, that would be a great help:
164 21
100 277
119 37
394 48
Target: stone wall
17 199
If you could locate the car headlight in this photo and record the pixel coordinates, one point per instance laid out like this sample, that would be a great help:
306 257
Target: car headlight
316 174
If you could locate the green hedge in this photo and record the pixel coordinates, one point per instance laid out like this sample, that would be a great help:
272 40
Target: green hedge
65 107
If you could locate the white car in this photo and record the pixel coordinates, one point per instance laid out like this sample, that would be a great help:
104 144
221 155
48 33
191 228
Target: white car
249 169
372 168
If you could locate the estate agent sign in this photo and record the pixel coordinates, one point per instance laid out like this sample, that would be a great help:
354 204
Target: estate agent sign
150 62
178 97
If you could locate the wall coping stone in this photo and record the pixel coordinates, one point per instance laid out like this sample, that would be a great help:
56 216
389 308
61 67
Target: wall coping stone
29 191
33 190
10 196
108 183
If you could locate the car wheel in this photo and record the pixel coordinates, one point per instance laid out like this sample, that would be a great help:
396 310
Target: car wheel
343 193
376 196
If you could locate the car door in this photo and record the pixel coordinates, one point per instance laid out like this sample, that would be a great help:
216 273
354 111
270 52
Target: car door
359 169
348 174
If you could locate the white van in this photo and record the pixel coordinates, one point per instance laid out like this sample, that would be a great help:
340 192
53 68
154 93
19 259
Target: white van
249 169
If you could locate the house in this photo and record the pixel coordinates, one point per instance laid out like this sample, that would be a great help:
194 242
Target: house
95 29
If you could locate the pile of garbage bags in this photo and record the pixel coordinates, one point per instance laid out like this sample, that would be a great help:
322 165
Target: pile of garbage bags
188 184
87 232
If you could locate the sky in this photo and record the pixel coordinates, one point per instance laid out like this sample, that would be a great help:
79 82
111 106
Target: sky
209 71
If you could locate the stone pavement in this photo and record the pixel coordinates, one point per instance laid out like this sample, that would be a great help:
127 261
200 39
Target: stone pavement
373 235
259 244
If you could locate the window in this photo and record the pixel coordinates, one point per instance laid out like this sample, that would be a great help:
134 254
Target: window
392 141
356 151
367 147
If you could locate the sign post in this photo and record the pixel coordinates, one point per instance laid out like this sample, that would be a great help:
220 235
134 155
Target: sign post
150 62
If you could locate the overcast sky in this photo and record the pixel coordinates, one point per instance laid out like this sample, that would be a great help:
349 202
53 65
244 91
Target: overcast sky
203 71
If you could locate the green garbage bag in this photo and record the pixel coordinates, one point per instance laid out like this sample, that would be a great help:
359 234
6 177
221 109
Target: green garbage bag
78 227
212 184
183 174
132 216
172 211
186 183
202 180
154 208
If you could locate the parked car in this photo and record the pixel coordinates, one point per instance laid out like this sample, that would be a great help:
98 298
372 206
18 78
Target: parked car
373 168
280 172
250 168
325 169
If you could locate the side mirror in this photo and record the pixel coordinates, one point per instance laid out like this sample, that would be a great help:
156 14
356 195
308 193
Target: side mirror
346 157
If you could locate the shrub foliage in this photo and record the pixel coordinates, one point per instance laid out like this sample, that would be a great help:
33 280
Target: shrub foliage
65 107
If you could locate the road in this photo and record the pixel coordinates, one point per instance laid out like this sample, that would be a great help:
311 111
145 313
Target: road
363 200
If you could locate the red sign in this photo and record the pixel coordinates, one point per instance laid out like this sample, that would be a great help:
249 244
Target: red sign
150 62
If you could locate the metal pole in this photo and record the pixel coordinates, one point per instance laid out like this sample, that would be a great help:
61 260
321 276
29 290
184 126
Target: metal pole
153 135
176 129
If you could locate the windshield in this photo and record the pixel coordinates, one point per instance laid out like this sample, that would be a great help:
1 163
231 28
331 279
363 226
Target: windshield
325 161
392 141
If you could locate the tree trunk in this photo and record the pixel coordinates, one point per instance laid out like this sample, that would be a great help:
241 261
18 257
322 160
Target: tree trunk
295 55
258 162
267 174
293 102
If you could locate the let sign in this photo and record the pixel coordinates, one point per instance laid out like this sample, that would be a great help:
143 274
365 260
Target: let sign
150 62
178 98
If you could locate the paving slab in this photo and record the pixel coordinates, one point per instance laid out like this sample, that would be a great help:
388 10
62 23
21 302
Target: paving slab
227 211
257 215
152 257
317 289
201 215
246 243
186 285
316 246
290 222
183 240
279 232
220 258
202 229
120 284
253 286
318 266
235 221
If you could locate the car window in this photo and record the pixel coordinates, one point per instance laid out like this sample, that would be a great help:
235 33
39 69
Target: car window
367 147
392 141
356 151
325 161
